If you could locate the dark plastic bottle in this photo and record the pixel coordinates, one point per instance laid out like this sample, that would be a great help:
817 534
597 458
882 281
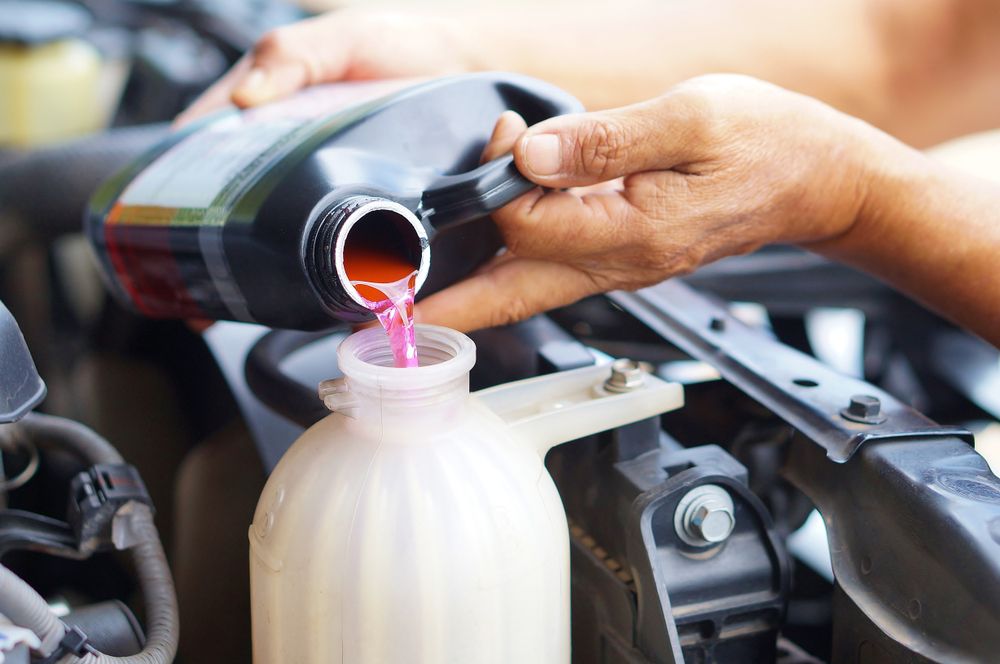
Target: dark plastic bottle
246 216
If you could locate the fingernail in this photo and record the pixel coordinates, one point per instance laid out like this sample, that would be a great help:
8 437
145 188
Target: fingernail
543 154
254 81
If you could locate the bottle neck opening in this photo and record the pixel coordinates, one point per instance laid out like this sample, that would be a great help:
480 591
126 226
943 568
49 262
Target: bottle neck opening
445 356
375 235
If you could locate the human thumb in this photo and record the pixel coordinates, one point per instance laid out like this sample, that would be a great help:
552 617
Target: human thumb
590 148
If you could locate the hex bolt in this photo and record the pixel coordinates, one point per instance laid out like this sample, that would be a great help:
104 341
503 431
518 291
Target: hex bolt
626 376
864 409
705 516
712 522
863 405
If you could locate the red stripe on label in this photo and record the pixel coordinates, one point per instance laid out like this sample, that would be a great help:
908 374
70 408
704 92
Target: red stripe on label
146 265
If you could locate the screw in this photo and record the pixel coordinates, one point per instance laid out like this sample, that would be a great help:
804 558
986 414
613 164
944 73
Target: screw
718 324
626 376
705 515
864 409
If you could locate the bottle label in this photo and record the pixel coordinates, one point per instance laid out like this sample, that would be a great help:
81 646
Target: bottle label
192 188
192 174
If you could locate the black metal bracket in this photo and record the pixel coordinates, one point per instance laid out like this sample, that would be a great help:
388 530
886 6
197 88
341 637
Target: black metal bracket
912 512
801 390
679 621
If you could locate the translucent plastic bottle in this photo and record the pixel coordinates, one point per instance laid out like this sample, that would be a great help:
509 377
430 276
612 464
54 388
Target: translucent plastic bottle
49 79
418 522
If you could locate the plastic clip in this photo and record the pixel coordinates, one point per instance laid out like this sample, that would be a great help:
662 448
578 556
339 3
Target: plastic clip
96 499
74 642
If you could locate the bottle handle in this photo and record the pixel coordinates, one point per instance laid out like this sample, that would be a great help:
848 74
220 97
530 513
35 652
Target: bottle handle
456 199
549 410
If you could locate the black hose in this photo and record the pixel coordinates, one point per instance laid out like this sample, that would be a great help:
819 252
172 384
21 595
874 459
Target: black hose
162 624
282 394
49 188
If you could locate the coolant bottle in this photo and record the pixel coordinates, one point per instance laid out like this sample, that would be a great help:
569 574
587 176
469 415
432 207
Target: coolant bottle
248 215
418 524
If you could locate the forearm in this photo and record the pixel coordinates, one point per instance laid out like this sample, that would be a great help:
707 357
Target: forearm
932 232
616 54
923 70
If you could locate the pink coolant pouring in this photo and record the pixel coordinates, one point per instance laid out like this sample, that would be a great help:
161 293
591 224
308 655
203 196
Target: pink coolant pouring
395 312
387 285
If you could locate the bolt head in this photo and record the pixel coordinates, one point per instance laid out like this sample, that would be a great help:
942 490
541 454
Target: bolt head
712 522
705 516
864 409
863 405
626 376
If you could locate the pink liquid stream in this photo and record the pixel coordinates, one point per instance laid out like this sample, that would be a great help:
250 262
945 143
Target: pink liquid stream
396 315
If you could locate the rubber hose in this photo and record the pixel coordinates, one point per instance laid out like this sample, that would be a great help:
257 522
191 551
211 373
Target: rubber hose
162 623
59 432
49 188
159 598
279 392
26 608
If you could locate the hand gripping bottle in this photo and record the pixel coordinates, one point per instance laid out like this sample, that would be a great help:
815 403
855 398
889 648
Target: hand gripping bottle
247 215
418 524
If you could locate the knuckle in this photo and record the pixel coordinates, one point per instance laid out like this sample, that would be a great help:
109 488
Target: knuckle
275 42
514 311
604 148
512 307
289 46
511 233
515 246
517 309
703 109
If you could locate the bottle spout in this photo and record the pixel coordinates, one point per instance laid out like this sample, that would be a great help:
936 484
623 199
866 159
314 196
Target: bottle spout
549 410
366 239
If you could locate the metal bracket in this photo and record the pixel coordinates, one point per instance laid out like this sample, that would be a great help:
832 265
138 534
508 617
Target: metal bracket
913 521
804 392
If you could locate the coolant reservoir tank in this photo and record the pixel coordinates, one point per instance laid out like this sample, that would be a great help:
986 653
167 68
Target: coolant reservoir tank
418 522
49 78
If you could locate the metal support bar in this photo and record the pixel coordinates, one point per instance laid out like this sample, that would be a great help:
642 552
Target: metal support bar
804 392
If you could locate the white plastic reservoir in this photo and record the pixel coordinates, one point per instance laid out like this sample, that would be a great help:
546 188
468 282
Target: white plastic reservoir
417 523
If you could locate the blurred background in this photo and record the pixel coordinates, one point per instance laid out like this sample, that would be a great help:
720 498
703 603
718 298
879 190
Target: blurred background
85 87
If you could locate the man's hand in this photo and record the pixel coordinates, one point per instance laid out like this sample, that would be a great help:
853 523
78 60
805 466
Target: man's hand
345 45
718 165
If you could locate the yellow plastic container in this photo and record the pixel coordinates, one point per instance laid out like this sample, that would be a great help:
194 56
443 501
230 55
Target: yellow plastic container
48 92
